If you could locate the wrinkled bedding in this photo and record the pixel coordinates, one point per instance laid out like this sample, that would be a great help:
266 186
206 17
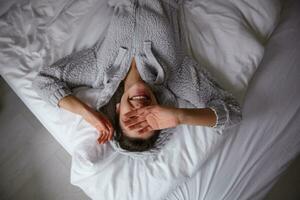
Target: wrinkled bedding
229 39
250 162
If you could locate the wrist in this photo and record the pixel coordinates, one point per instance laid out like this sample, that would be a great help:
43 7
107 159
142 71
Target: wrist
85 111
75 105
197 116
180 113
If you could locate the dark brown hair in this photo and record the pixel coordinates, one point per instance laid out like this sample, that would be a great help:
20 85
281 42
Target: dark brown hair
134 144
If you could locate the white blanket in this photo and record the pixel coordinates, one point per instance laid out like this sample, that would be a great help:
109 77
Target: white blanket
227 37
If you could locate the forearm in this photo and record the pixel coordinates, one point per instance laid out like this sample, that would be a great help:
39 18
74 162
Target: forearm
95 118
74 105
197 116
203 90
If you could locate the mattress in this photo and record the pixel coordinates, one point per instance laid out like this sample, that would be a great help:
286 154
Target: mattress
233 166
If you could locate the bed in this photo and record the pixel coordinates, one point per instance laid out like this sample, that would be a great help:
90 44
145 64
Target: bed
242 163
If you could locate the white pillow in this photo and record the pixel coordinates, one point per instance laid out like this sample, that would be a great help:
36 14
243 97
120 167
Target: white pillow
228 37
105 173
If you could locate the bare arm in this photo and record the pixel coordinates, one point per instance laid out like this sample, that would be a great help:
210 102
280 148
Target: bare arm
197 116
160 117
95 118
196 85
54 84
74 105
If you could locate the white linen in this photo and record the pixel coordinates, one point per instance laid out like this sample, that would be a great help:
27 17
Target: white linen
249 163
230 37
38 32
35 33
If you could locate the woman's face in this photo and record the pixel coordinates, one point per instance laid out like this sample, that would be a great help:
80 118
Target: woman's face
137 96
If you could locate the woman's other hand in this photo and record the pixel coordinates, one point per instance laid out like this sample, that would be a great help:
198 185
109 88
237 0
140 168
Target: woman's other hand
150 118
101 123
96 119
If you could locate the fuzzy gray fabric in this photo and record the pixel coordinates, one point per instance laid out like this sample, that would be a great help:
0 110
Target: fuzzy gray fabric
150 31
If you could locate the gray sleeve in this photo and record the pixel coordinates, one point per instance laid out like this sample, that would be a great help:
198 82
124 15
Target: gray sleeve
196 85
56 81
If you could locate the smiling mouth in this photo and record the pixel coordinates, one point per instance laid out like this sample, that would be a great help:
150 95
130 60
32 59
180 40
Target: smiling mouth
140 97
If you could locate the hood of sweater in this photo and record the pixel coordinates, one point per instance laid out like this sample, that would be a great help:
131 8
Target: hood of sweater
147 34
147 31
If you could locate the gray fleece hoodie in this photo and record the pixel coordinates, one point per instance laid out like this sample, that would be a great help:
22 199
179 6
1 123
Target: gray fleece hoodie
150 31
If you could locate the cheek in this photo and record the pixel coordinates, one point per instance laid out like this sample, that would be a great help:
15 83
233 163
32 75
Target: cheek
124 107
154 100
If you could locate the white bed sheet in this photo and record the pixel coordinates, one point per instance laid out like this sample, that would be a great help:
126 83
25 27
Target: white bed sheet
250 162
39 35
37 49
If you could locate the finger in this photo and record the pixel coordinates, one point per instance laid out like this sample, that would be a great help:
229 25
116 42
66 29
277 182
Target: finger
104 126
108 125
111 128
135 112
100 140
106 137
102 132
134 121
144 130
101 137
111 137
131 113
100 127
139 125
111 133
129 118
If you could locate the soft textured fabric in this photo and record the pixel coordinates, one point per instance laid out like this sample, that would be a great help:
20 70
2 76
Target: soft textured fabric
232 38
258 141
149 31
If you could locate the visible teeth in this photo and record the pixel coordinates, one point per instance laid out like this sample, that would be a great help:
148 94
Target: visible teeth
139 97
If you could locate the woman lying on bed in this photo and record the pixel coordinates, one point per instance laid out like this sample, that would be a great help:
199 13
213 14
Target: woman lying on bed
146 80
